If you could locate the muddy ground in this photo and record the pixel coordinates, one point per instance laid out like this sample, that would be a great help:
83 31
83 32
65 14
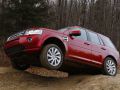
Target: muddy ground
11 79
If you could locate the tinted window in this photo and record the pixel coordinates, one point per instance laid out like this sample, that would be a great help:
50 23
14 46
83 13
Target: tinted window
94 37
108 42
83 35
101 42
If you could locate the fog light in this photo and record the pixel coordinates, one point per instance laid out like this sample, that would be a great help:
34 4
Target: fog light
29 39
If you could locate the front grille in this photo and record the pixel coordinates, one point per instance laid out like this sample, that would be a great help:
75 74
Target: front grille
16 35
14 50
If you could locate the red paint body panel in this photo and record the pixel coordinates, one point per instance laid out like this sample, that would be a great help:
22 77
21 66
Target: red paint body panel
76 49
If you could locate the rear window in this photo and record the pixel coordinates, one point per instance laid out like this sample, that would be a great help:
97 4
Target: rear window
108 42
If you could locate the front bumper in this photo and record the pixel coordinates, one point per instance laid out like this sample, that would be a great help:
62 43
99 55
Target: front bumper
26 44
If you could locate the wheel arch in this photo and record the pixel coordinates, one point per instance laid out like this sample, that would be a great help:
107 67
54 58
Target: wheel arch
57 41
110 56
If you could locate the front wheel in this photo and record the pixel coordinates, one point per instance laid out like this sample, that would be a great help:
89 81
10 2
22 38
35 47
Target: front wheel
51 57
110 67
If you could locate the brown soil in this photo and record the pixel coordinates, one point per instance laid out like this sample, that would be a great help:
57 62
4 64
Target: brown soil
43 79
11 79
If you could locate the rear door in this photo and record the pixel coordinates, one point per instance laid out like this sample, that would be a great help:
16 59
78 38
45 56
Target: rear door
97 47
79 46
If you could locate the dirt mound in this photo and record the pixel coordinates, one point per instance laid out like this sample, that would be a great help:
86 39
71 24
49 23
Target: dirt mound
11 79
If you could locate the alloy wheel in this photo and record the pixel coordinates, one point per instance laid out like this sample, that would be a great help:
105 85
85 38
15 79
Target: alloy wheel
54 56
111 67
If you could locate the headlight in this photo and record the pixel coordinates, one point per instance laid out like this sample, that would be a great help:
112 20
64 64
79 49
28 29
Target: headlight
31 32
16 35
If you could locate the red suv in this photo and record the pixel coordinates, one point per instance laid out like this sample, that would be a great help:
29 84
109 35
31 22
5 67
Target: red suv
50 48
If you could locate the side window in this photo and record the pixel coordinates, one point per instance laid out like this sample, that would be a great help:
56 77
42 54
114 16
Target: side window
101 42
94 37
108 42
83 35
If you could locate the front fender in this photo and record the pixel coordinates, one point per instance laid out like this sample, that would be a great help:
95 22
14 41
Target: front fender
48 35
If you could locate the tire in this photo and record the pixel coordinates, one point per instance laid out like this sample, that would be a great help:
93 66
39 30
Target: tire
109 67
51 57
19 66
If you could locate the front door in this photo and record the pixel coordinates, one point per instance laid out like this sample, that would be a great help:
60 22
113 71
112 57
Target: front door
79 46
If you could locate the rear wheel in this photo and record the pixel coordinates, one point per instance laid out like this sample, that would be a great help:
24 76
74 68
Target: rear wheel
19 66
51 57
110 67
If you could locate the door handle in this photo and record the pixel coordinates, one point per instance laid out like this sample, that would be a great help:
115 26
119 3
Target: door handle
86 43
103 48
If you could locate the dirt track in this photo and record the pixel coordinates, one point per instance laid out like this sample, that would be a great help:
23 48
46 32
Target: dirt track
11 79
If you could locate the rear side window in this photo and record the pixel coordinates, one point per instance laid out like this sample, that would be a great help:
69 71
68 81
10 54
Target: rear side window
101 41
83 35
93 37
108 42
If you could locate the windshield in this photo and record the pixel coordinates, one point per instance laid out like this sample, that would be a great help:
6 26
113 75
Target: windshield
63 29
69 28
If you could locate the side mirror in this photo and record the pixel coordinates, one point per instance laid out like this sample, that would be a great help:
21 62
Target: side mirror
75 33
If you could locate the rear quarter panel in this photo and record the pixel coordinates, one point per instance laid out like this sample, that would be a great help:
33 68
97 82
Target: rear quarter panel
115 54
110 51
